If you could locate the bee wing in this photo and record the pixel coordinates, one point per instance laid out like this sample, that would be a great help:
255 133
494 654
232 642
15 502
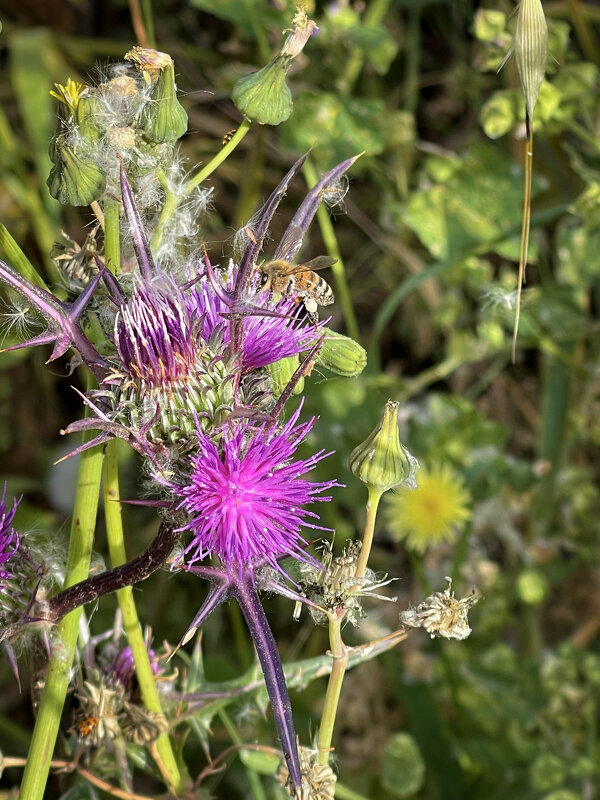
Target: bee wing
320 262
289 245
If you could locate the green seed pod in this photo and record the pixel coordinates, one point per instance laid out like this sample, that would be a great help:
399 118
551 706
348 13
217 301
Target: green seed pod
164 119
382 462
281 371
531 51
72 180
87 117
341 354
264 96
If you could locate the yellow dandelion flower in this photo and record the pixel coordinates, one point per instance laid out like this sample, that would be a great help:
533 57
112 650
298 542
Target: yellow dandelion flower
432 513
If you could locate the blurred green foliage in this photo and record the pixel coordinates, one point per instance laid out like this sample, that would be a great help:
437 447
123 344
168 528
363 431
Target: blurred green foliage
429 233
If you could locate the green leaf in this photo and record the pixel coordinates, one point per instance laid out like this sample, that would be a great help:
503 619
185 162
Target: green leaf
263 762
480 202
498 114
489 24
402 767
340 128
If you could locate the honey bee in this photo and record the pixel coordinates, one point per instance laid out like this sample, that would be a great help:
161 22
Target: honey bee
283 277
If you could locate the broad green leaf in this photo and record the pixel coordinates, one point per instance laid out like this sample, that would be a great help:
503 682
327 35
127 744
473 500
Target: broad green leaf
340 128
479 203
402 767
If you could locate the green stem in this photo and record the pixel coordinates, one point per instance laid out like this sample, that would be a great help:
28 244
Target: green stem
376 11
331 245
254 781
340 656
343 792
148 22
172 200
133 630
375 496
112 244
65 635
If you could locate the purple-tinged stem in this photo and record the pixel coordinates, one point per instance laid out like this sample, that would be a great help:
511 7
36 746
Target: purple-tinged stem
245 592
293 381
134 571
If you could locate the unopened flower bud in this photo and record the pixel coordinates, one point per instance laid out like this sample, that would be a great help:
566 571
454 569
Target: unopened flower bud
264 96
74 181
341 354
164 119
281 372
87 117
381 461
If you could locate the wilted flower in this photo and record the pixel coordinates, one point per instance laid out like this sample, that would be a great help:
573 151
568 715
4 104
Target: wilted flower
442 614
432 512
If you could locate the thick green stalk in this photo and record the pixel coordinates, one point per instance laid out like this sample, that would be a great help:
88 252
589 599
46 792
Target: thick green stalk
166 762
375 496
172 201
112 244
65 636
340 655
331 245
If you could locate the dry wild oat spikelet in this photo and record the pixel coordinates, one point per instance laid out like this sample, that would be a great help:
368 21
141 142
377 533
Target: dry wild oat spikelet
441 614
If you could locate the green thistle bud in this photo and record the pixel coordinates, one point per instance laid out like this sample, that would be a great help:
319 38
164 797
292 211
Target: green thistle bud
382 462
164 119
264 96
281 371
342 355
74 181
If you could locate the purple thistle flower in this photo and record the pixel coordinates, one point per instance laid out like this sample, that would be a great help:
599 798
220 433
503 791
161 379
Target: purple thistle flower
245 495
280 332
123 667
155 334
9 538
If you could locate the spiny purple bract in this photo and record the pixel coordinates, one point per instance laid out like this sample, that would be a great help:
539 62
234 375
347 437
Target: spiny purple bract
245 495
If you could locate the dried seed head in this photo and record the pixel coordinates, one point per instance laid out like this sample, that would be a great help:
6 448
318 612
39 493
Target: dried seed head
300 33
318 780
442 614
530 47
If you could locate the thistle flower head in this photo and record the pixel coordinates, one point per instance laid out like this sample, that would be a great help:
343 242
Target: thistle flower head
280 332
245 495
9 538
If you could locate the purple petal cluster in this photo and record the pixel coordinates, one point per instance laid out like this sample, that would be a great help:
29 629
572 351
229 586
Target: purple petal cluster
155 334
245 494
123 667
9 538
270 331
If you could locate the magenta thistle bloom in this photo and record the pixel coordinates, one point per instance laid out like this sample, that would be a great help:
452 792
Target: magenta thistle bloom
282 332
123 667
245 495
9 538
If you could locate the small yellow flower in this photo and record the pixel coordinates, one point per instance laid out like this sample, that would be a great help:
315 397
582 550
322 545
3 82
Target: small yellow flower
432 513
